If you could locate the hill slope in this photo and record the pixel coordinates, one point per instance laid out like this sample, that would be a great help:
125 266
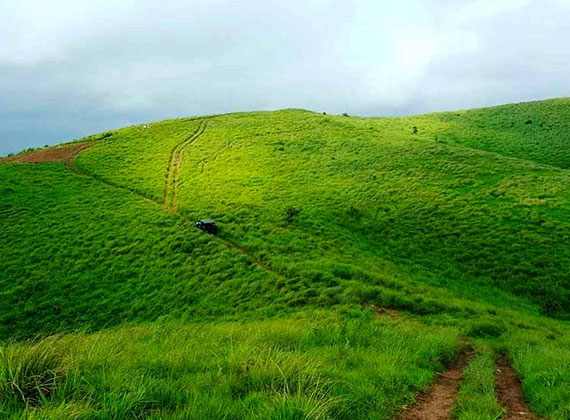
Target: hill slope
463 220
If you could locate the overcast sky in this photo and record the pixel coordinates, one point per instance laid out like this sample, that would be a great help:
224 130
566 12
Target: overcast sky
69 68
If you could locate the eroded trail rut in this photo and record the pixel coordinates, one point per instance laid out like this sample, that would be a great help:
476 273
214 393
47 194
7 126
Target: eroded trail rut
173 170
437 402
509 393
170 189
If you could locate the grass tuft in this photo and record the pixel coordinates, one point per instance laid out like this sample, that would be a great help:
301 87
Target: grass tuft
30 372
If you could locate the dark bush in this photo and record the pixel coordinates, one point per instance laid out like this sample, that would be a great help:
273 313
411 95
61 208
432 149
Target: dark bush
290 214
550 308
487 327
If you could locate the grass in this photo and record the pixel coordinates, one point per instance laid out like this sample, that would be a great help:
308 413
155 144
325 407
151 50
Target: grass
461 227
137 156
543 360
30 373
381 203
534 131
320 365
94 256
89 254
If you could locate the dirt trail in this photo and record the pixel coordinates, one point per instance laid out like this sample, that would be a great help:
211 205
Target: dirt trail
437 402
173 169
70 160
509 393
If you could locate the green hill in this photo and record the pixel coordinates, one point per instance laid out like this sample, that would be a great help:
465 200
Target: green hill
354 257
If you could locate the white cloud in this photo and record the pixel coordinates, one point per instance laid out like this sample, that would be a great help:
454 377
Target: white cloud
472 11
62 61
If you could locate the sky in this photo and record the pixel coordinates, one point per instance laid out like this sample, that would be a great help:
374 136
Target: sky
69 68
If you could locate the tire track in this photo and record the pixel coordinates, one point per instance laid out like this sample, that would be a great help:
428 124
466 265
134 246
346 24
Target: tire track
173 169
509 393
70 160
437 403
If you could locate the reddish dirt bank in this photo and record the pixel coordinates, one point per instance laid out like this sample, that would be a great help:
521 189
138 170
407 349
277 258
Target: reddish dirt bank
50 154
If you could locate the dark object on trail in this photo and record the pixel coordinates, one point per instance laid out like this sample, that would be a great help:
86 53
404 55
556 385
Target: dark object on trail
207 226
414 130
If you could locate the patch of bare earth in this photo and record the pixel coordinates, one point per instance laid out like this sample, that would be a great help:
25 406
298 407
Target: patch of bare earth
509 393
61 153
437 402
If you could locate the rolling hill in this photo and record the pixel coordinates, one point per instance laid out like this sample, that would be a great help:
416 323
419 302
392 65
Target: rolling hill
355 259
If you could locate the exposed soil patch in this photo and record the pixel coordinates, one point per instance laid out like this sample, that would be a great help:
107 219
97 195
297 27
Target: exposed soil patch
437 402
382 310
50 154
509 392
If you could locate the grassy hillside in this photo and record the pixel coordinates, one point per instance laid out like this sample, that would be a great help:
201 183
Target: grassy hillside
317 195
461 223
535 131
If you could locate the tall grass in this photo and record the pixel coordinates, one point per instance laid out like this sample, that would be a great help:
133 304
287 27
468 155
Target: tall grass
543 359
30 372
319 366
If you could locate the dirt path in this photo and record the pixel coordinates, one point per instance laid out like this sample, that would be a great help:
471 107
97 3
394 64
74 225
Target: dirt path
437 402
71 158
173 169
509 392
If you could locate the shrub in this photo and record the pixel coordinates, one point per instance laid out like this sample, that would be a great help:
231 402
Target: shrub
487 327
353 211
550 308
290 214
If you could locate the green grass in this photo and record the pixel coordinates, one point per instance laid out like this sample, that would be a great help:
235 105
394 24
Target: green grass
543 360
462 227
370 200
535 131
344 365
89 254
137 156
